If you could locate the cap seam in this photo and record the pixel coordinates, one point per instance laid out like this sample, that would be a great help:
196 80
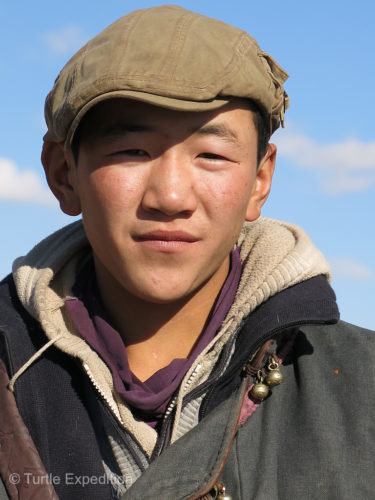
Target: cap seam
177 43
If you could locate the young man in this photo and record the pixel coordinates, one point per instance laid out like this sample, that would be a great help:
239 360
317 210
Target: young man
174 344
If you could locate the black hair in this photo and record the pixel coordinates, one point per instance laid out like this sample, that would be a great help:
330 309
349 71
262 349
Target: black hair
263 130
76 141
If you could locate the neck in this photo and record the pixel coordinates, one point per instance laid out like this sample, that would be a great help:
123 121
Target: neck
155 334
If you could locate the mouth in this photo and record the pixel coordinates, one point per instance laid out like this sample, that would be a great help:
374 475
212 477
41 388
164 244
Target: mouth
166 241
167 236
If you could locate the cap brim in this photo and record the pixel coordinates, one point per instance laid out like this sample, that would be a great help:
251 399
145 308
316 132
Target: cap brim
156 100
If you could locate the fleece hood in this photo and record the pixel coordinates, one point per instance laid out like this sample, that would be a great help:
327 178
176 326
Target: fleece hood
275 256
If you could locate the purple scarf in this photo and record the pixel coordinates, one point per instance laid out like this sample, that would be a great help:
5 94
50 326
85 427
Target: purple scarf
148 399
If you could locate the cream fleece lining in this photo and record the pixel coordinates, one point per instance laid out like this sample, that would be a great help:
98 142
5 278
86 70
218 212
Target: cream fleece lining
275 256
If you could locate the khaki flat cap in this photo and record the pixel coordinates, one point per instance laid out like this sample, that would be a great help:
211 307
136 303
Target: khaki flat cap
169 57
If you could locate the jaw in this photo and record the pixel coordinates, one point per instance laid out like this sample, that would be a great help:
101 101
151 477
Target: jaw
166 279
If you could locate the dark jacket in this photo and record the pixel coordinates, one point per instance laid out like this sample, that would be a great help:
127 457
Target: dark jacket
312 438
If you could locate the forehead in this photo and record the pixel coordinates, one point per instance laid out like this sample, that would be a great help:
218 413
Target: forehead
118 116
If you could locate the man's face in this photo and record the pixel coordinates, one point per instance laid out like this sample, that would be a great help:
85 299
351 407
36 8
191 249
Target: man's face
164 194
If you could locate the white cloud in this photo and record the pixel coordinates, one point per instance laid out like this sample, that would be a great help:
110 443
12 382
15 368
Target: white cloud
67 39
347 268
350 154
22 185
341 166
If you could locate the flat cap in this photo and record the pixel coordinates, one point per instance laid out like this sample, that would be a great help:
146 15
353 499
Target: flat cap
170 57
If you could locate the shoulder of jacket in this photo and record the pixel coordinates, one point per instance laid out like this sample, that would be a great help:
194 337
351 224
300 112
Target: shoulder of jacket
5 285
16 325
11 310
343 343
341 328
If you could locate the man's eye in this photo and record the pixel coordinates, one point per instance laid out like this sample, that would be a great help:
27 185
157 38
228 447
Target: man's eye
132 152
212 156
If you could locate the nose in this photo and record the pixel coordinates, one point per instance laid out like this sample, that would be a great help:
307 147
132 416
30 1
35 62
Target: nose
170 187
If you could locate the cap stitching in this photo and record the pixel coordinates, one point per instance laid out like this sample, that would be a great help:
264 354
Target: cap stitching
133 21
175 47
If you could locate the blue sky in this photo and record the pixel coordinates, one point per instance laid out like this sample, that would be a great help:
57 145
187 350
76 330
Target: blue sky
325 179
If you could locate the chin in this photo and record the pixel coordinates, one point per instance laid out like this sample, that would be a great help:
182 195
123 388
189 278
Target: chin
167 298
163 295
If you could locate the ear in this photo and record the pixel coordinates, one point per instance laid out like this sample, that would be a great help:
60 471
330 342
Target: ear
59 167
262 185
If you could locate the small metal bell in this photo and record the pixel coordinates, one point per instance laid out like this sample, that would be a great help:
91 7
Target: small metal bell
259 391
274 376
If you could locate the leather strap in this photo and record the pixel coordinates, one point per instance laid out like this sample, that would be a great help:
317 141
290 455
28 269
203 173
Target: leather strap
21 468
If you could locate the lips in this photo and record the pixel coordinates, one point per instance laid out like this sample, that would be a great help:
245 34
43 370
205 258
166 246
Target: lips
166 241
167 236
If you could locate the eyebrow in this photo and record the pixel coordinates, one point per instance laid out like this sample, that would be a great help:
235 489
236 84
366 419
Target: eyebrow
220 130
119 129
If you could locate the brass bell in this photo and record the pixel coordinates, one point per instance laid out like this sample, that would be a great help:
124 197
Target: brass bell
274 376
259 391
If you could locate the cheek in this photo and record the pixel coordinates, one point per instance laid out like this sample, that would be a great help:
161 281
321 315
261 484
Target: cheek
111 190
230 195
